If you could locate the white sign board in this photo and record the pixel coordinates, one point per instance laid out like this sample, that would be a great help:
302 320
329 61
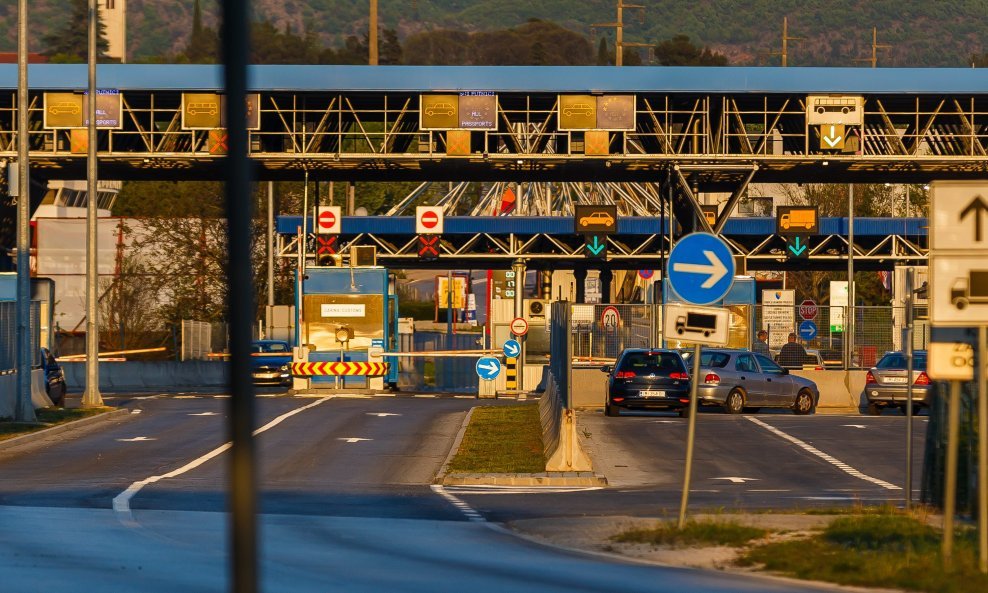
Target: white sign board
429 220
778 315
342 310
328 219
950 361
959 253
838 301
691 323
582 314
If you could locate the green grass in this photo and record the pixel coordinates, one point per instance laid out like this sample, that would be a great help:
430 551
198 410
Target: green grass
501 439
694 533
892 551
48 417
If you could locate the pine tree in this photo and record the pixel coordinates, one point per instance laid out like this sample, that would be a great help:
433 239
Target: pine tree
203 41
603 54
70 44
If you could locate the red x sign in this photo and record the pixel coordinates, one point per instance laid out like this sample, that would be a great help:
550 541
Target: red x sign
429 246
326 244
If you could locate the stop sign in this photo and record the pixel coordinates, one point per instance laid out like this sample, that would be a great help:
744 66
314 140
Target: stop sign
808 309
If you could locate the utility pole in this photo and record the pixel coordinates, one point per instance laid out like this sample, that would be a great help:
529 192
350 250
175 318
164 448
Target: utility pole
618 27
24 410
875 46
372 34
785 42
91 396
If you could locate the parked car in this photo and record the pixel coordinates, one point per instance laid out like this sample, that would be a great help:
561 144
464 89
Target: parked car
740 379
647 378
54 378
887 382
271 362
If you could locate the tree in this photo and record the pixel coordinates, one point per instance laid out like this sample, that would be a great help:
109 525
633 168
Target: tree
390 53
979 60
680 51
603 54
70 44
443 47
203 43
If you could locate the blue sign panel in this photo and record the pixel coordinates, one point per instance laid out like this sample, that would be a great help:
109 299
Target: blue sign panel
701 268
512 348
488 368
807 330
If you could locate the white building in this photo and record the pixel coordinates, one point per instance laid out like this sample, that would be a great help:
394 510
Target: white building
114 16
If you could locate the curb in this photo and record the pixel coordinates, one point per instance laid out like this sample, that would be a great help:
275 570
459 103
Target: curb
444 470
60 428
540 479
837 411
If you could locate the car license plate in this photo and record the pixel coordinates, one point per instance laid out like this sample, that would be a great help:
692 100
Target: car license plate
895 379
652 393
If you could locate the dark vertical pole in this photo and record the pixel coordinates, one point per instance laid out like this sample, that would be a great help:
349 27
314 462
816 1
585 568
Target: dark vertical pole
240 301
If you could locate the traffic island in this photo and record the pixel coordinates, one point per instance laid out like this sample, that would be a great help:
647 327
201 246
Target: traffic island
53 421
881 547
502 446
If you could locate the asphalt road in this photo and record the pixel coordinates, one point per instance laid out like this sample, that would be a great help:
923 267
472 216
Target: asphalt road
346 502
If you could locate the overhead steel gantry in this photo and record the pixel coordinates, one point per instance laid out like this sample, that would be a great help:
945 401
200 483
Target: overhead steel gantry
659 132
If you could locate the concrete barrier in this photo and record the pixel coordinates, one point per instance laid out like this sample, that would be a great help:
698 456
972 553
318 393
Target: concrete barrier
151 376
8 393
562 448
839 390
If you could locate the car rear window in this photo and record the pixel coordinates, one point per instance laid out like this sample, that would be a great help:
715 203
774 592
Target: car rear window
652 362
274 347
897 360
717 360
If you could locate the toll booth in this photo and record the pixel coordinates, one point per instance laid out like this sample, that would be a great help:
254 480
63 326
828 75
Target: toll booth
346 322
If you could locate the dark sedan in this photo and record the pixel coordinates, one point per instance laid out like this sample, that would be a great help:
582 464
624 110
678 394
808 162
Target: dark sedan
887 383
647 379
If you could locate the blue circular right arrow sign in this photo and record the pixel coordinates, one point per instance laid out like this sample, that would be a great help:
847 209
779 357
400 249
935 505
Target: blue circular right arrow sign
701 268
807 330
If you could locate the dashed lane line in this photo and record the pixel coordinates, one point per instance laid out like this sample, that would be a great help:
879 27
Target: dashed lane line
828 458
463 507
121 502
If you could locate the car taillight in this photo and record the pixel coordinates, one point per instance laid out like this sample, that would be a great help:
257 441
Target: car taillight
870 379
922 379
683 376
624 375
712 378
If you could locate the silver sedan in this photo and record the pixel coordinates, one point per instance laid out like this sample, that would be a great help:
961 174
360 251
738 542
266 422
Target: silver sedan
739 380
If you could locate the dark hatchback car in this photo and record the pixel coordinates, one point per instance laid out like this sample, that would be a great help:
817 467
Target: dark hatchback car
647 379
886 383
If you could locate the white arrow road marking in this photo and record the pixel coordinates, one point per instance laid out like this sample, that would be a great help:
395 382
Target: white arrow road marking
353 439
833 138
205 414
854 425
829 459
382 414
137 439
716 269
137 411
736 479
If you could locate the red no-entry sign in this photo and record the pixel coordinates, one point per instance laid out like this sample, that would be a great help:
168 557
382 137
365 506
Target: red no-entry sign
429 220
328 220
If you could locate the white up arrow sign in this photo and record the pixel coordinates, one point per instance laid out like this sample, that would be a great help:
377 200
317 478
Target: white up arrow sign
737 480
834 138
716 269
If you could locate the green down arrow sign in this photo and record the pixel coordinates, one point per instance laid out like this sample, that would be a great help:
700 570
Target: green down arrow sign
798 248
596 247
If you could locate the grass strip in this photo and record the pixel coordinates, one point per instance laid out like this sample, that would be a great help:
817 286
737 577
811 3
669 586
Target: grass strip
693 533
899 552
48 417
502 439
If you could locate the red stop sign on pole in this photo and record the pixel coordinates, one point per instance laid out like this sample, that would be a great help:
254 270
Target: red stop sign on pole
808 310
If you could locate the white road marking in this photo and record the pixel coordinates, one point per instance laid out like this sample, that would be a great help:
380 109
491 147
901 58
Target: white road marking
737 480
768 490
465 397
136 411
854 425
382 414
464 508
121 502
828 458
186 397
205 414
492 489
427 395
353 439
137 440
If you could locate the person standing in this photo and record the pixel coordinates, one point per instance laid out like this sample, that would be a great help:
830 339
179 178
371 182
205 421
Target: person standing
761 344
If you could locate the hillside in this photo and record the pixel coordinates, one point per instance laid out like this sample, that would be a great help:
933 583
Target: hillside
835 33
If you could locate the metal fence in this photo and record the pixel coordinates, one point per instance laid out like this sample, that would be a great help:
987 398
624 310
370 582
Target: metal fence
197 340
438 373
601 332
8 335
